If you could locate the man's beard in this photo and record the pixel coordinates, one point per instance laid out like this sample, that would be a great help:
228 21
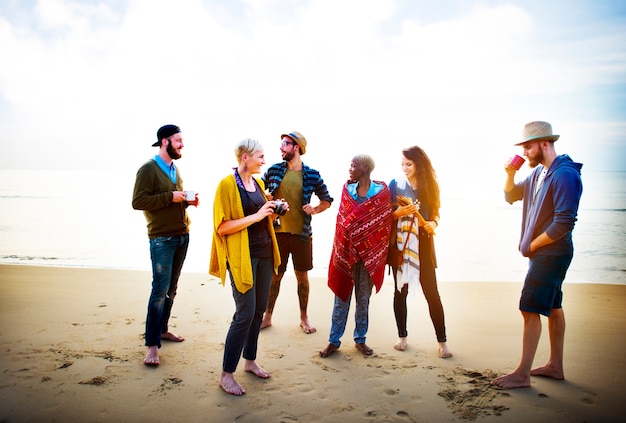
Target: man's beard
172 152
288 156
536 161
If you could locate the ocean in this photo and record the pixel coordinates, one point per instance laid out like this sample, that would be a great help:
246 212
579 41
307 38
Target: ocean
79 218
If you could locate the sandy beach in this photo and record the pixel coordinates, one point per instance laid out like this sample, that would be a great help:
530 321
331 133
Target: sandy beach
72 350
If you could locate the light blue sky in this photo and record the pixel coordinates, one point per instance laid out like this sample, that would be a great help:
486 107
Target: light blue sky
86 84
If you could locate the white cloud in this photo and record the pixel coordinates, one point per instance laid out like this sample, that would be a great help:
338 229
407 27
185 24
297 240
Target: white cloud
349 73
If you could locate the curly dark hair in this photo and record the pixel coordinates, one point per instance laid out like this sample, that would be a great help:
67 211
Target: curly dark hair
427 178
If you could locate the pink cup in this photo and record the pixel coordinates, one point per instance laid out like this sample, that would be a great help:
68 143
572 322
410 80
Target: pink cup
517 161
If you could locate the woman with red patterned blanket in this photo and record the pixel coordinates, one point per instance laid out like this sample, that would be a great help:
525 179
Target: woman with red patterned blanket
359 251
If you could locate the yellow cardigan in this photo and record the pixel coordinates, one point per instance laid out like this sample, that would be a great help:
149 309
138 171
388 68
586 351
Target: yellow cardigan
234 248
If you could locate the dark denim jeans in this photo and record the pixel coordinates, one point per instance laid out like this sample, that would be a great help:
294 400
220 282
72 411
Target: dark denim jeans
168 254
243 334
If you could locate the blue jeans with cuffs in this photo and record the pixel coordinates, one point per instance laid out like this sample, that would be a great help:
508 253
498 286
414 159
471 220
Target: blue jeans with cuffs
363 285
167 254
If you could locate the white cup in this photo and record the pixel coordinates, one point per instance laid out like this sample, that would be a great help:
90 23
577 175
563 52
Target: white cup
190 195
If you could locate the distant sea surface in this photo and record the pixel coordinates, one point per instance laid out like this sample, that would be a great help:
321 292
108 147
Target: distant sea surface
85 219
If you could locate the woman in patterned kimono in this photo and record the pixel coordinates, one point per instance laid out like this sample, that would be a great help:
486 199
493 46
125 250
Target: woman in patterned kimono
416 239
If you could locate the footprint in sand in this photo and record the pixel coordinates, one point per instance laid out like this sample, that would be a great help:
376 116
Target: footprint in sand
404 416
470 393
98 380
275 354
322 365
589 397
169 383
302 388
65 364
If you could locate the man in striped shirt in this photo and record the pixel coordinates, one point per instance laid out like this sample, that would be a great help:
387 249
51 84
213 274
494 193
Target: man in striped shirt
296 183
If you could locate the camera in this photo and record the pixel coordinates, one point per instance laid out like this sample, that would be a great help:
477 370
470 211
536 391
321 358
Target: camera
280 208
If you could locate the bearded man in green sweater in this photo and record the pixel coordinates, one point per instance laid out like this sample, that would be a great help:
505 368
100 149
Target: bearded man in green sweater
159 193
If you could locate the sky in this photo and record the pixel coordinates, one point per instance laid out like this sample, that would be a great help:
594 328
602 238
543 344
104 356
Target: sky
85 84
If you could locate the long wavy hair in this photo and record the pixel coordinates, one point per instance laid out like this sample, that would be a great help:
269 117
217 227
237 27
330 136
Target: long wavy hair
426 177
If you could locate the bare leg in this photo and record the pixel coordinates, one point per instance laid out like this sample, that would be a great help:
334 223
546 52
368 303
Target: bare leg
252 367
401 344
152 358
520 377
230 385
444 352
271 301
556 327
303 296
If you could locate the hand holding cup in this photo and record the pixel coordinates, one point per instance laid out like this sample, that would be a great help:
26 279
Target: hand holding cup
191 197
516 162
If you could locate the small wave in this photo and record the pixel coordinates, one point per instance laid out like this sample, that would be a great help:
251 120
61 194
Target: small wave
28 258
24 196
606 210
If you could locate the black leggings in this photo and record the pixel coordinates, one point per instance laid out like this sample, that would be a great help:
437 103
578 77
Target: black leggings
428 281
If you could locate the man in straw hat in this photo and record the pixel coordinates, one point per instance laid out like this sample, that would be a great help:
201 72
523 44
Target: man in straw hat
551 195
296 183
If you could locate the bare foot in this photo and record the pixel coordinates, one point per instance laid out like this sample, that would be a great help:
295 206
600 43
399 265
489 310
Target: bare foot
306 326
230 385
152 358
328 350
172 337
252 367
401 344
511 381
364 349
548 371
444 352
267 320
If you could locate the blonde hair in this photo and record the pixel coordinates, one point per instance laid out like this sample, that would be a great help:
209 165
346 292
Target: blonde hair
247 146
365 160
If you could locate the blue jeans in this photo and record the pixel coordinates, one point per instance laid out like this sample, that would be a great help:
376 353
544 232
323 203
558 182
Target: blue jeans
363 285
243 334
167 254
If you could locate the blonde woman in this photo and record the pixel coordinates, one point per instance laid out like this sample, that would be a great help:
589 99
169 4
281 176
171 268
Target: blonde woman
244 246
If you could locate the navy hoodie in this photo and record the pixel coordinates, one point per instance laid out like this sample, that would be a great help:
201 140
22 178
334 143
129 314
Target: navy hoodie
553 209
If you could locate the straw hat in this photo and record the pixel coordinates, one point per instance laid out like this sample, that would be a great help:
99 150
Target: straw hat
536 131
298 138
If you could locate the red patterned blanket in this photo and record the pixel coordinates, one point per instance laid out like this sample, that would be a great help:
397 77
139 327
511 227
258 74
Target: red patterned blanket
361 233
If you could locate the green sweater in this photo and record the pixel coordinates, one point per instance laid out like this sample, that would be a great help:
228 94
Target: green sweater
153 194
